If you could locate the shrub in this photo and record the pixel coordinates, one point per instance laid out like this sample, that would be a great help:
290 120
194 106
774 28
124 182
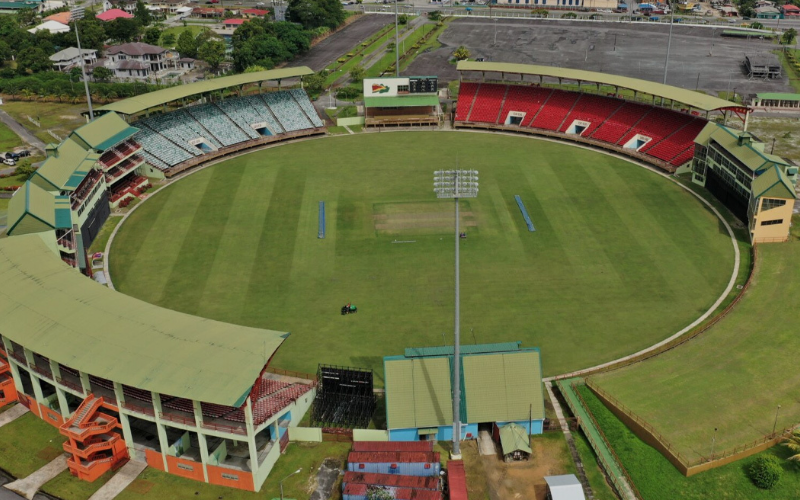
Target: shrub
765 472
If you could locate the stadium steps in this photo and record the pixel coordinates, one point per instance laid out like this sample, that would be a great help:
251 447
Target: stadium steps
610 117
472 104
226 115
193 153
602 449
544 103
502 103
189 114
634 127
304 110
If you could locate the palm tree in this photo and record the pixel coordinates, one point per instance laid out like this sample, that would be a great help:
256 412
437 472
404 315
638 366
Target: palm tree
793 443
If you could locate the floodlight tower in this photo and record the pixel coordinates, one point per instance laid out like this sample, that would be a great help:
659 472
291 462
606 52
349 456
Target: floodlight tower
76 14
456 184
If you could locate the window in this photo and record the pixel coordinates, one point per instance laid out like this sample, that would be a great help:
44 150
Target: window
770 203
772 222
230 476
427 466
185 467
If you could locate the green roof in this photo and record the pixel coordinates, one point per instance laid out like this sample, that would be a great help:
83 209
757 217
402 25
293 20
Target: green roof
773 184
50 308
697 100
514 437
504 387
143 102
752 157
18 5
31 210
401 101
104 132
778 96
447 350
66 168
496 387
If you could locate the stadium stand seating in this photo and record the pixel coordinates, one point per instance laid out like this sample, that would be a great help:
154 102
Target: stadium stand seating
612 120
487 103
132 392
593 109
287 111
555 109
466 96
223 128
165 139
524 99
302 99
618 124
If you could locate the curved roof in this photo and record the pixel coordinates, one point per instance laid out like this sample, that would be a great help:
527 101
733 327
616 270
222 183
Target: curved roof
48 307
143 102
692 98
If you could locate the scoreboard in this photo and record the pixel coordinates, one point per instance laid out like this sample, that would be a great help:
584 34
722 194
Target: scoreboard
423 85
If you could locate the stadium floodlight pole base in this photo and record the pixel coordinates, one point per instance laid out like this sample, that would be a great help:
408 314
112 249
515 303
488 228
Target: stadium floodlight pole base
455 456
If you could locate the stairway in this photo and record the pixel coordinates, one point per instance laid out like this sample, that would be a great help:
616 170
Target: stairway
94 440
8 391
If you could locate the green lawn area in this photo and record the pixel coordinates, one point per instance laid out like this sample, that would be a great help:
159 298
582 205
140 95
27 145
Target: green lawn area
597 480
177 30
62 118
8 139
27 444
67 487
732 377
374 42
620 259
99 244
784 131
657 479
154 484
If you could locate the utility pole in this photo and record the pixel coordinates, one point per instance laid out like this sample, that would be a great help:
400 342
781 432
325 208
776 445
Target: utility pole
76 14
396 41
669 44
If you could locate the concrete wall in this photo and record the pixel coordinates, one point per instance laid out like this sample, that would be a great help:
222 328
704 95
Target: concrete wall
305 434
445 433
353 120
774 232
370 435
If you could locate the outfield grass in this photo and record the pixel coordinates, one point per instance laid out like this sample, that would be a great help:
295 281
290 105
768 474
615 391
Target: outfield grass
100 241
734 376
27 444
620 259
657 479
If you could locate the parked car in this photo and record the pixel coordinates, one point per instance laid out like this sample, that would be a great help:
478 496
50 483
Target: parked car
9 162
24 153
12 155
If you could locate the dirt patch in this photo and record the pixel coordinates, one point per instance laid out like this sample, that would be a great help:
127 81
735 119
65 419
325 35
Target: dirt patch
49 454
68 117
421 224
327 475
140 486
525 480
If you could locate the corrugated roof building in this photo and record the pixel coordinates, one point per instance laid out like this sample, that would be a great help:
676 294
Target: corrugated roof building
501 383
395 480
409 463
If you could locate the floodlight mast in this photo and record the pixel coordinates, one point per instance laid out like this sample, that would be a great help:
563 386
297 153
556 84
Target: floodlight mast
456 184
76 14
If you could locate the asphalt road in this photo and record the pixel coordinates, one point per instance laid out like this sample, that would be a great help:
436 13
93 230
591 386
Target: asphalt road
21 131
341 42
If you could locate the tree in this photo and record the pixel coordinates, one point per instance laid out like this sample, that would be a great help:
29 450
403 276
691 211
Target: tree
122 30
402 19
569 15
5 51
793 443
75 74
765 472
461 53
347 93
212 52
435 15
789 36
152 35
142 14
315 83
358 73
254 69
102 74
24 171
32 60
187 45
93 34
316 13
168 39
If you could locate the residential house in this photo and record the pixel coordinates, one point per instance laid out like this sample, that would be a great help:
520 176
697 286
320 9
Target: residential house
68 58
139 60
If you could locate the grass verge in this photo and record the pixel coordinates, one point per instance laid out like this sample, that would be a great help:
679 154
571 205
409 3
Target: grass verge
28 444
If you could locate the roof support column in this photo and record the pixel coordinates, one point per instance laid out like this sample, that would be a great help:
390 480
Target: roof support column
198 420
37 388
62 398
87 386
746 119
162 433
13 364
279 84
251 437
127 435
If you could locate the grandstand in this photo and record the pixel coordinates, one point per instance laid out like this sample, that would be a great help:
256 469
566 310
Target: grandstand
401 101
657 125
139 391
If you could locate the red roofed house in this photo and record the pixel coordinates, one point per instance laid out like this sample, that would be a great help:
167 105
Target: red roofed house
254 13
790 10
234 23
112 14
61 17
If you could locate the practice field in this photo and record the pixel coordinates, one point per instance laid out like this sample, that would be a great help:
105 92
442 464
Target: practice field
621 257
734 376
